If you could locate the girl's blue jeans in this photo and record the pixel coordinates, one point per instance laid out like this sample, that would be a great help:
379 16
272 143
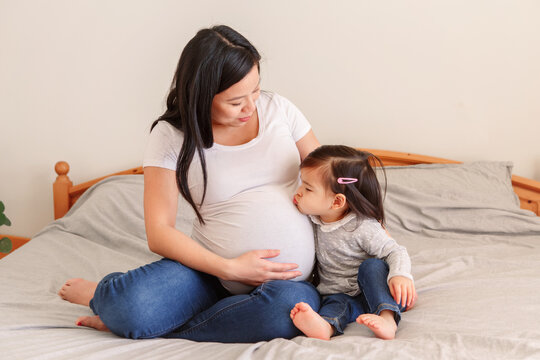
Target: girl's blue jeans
168 299
341 309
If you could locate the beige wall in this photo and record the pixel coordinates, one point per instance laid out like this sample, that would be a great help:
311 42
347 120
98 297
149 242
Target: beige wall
82 80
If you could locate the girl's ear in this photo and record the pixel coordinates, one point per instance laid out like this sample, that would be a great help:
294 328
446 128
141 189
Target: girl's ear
340 201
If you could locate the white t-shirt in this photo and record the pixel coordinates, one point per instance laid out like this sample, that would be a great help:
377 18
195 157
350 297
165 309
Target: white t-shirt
248 203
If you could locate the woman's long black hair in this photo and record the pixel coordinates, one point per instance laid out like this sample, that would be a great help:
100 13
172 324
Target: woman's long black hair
365 196
214 60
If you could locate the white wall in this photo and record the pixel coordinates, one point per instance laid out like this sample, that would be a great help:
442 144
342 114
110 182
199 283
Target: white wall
81 81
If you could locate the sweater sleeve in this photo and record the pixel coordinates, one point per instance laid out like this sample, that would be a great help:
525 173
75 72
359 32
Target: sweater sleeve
378 243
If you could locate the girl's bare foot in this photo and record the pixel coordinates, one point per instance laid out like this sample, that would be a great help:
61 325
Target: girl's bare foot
78 291
93 322
383 325
311 323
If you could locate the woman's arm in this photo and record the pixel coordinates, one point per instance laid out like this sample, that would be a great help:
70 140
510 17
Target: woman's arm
160 207
307 144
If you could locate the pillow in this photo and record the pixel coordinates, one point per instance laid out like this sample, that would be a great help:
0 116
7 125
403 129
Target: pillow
448 196
111 214
488 182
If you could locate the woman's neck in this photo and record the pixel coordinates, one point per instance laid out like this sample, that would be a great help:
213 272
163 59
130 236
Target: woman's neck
234 136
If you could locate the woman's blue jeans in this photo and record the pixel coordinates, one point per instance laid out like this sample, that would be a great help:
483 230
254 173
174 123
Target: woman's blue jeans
168 299
341 309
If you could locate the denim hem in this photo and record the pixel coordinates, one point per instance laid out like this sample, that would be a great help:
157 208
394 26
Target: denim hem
338 330
91 306
335 322
391 307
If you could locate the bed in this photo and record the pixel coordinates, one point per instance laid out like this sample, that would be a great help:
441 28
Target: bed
472 231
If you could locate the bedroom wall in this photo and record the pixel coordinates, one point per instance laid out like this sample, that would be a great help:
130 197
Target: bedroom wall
81 81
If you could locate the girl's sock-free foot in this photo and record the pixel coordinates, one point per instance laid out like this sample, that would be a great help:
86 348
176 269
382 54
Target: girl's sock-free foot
311 323
384 327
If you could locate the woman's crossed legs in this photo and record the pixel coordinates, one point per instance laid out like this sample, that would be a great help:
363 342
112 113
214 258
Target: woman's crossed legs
168 299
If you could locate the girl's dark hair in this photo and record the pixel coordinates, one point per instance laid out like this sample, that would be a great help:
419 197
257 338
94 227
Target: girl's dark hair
364 197
212 61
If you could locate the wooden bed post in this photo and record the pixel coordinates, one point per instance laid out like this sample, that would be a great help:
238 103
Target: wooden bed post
61 188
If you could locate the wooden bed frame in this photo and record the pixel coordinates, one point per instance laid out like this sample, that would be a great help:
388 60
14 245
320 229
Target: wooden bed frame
66 194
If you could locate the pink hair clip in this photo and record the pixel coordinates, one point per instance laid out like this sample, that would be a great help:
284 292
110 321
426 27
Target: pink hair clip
344 180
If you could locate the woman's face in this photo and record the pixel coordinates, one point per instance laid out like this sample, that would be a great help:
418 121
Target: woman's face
235 106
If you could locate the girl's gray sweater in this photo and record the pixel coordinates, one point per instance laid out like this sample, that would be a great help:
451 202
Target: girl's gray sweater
341 247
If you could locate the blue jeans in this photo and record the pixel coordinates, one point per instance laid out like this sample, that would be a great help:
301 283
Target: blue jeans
341 309
168 299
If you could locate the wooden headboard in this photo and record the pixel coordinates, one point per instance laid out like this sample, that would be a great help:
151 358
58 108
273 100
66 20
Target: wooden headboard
66 194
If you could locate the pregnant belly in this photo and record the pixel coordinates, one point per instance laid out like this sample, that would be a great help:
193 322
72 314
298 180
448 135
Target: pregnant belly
259 219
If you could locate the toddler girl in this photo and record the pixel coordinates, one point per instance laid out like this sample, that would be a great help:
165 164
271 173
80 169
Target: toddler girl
364 274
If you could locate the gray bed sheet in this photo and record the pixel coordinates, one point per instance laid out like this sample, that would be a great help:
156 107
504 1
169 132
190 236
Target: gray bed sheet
476 263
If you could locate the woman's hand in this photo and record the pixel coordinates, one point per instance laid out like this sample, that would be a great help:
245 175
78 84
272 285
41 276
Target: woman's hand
403 291
252 268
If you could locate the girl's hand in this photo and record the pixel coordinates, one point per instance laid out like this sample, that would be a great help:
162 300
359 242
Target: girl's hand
252 268
403 291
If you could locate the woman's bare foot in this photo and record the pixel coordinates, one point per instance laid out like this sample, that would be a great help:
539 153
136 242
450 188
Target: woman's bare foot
78 291
93 322
311 323
383 325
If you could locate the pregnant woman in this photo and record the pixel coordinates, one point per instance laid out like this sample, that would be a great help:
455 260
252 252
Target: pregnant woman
232 152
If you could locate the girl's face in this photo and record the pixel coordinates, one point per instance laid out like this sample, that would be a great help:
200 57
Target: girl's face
312 197
235 106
